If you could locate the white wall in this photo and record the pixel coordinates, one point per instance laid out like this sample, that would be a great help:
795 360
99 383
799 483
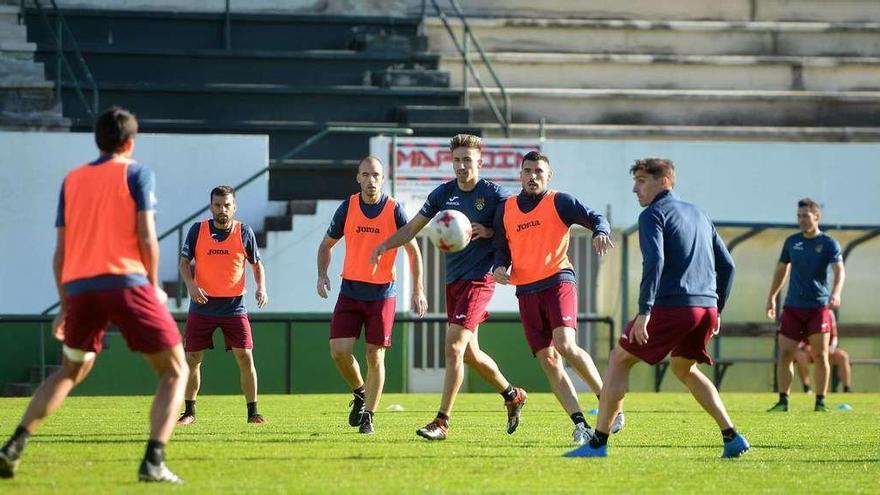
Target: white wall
33 165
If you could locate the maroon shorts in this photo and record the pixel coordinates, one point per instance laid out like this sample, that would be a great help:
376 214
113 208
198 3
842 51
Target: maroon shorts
146 324
543 311
200 332
799 323
682 330
466 301
376 317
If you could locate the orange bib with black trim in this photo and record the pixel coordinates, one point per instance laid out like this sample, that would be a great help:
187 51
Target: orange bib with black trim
362 235
538 240
100 222
220 264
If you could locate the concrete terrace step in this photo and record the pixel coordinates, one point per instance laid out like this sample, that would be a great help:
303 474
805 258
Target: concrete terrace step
688 107
307 67
264 101
690 132
658 36
738 10
629 71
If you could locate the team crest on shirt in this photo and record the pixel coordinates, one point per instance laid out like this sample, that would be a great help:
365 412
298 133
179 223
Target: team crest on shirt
818 248
480 203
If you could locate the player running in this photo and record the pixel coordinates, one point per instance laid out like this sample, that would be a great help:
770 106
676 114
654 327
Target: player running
687 274
366 297
531 238
808 303
469 282
217 248
106 270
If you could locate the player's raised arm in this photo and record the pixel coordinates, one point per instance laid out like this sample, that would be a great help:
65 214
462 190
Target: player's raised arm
324 256
573 212
401 237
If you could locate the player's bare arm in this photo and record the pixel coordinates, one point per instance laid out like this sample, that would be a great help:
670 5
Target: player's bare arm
640 329
57 267
323 264
401 237
839 275
261 295
775 286
196 293
149 248
414 254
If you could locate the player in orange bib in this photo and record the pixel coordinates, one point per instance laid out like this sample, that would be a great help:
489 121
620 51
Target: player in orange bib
106 270
531 239
366 297
219 248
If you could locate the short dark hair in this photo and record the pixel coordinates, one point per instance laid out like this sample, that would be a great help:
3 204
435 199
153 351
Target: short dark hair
222 191
809 203
114 128
534 156
655 167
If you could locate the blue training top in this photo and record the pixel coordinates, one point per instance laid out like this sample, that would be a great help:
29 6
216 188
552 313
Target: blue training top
220 306
685 262
141 185
364 291
570 211
809 258
479 205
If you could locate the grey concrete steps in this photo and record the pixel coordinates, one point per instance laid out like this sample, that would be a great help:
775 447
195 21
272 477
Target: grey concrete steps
690 132
688 107
737 10
671 37
630 71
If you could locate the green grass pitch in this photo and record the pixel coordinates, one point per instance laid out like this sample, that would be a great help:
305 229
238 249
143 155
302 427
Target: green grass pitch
93 445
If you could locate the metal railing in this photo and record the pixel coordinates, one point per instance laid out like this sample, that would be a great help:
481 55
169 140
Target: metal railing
502 114
290 320
178 227
62 64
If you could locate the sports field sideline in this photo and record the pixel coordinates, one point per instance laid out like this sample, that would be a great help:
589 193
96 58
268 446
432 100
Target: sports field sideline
94 444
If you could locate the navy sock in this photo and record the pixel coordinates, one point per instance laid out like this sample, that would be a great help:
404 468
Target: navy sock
783 398
252 409
17 441
509 393
578 417
189 407
728 434
155 452
360 392
443 416
820 400
599 439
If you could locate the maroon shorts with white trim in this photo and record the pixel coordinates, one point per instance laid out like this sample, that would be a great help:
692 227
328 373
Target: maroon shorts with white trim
683 331
543 311
799 323
146 324
466 301
375 317
200 332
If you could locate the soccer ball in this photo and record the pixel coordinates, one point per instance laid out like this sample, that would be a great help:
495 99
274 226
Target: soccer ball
450 231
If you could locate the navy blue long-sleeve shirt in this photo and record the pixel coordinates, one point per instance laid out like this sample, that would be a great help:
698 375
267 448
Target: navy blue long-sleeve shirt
685 262
570 211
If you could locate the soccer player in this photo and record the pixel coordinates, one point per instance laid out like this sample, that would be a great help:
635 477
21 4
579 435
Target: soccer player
469 282
219 247
806 314
531 238
366 297
687 274
106 269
